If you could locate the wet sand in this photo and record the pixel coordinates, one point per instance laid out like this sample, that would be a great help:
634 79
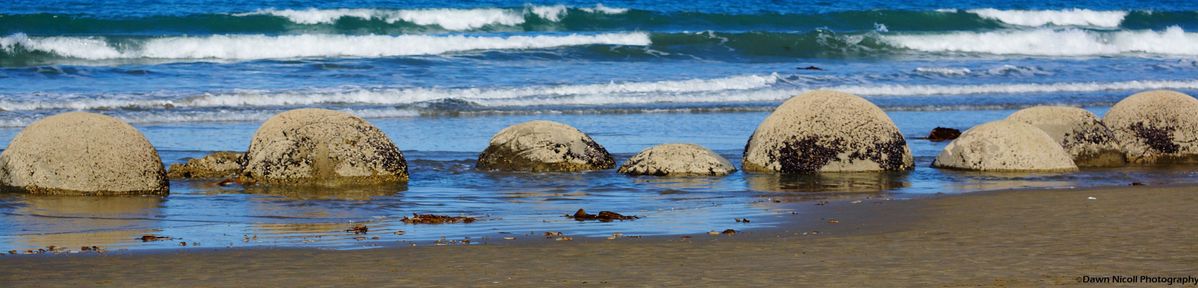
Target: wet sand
1005 238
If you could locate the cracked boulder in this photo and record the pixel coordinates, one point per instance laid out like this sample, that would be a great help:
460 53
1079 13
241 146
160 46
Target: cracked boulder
1156 127
318 147
1005 145
80 153
1083 135
543 146
827 131
215 165
677 160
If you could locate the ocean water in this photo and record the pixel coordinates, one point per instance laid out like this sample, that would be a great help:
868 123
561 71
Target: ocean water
440 78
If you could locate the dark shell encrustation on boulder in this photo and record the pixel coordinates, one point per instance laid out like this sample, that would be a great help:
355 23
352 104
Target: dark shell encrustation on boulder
1156 127
827 131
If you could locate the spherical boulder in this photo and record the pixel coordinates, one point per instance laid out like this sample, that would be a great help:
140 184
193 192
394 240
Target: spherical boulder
1087 139
543 146
677 160
80 153
1005 145
318 147
827 131
1156 127
215 165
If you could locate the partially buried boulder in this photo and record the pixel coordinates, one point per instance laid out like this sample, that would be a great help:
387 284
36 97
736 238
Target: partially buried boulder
80 153
1005 145
215 165
1087 139
677 160
543 146
940 134
318 147
1156 127
827 131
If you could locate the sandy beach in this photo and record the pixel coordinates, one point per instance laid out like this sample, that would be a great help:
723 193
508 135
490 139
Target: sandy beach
1007 239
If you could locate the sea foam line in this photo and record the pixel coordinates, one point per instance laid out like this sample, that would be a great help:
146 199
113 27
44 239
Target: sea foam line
447 18
748 88
1067 17
250 47
1053 42
386 96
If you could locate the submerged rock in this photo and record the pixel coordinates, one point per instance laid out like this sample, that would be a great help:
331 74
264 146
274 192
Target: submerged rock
939 134
1087 139
1156 127
322 148
215 165
543 146
1005 145
827 131
80 153
677 160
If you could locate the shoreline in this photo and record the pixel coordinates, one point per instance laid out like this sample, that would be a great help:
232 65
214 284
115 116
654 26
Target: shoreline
1039 237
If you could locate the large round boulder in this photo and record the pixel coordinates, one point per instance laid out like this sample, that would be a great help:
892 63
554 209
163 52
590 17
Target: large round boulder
827 131
1087 139
318 147
215 165
543 146
677 160
80 153
1005 145
1156 127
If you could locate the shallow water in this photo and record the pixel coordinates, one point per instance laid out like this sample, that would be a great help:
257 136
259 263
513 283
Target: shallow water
523 205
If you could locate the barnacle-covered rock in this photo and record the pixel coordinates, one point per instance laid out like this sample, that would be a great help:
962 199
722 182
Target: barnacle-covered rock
677 160
1156 127
1087 139
1005 145
215 165
827 131
321 148
543 146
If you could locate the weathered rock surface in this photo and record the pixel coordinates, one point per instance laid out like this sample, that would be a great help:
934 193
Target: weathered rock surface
1083 135
827 131
677 160
215 165
543 146
321 148
1005 145
1156 127
80 153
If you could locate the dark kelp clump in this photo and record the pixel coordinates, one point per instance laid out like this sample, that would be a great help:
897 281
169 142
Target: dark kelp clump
436 219
603 216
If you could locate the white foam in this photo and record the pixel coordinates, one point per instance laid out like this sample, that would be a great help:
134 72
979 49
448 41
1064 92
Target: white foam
249 47
396 96
927 90
449 19
1053 42
552 13
316 16
600 8
943 71
83 47
1067 17
457 19
746 88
